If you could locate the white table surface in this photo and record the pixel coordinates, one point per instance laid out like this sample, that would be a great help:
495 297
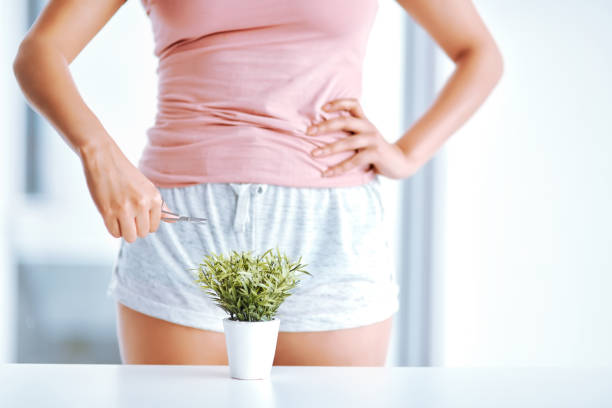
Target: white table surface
60 385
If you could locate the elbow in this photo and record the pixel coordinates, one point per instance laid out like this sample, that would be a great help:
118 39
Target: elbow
21 60
496 64
28 56
17 62
487 59
493 61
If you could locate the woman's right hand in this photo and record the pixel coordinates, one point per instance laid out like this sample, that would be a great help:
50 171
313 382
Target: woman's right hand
129 203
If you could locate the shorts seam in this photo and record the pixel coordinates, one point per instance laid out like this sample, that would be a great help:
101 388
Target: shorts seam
345 324
135 300
172 314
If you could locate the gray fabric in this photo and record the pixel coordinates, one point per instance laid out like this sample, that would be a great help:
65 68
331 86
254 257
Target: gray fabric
337 231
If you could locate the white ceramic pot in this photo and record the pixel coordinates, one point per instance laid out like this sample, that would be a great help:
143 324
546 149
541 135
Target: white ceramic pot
250 347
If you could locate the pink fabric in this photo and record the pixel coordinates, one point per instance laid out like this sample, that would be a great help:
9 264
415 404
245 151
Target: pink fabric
241 80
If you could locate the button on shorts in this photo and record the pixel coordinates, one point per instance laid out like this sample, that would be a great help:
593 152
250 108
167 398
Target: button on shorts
338 232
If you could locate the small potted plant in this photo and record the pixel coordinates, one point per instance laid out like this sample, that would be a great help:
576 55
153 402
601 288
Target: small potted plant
250 289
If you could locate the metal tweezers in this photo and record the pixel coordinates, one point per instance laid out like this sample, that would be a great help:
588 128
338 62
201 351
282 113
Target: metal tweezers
182 217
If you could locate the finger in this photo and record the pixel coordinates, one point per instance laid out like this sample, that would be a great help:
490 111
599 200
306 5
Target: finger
167 217
359 141
351 105
112 225
358 159
346 123
127 225
155 214
142 222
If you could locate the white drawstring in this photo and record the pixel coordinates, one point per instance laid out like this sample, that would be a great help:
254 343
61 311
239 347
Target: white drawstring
244 199
242 207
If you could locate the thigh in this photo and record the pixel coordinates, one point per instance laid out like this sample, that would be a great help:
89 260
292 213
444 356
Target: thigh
359 346
147 340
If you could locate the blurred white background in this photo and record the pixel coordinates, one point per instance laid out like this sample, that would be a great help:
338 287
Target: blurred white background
526 220
502 241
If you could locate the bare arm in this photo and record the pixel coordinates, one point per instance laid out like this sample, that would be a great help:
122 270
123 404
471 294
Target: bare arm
458 29
59 34
128 202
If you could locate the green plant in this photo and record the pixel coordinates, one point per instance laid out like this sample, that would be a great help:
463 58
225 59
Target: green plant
249 288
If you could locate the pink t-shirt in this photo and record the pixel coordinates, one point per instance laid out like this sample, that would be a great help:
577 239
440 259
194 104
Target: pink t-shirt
240 81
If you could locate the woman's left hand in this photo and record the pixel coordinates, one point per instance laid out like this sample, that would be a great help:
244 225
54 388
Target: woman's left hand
371 148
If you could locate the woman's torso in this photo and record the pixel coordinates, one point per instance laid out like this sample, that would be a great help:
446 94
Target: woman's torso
241 80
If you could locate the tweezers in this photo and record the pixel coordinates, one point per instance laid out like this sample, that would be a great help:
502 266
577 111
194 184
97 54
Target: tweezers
182 217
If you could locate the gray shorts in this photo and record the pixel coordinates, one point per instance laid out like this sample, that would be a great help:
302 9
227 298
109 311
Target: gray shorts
337 231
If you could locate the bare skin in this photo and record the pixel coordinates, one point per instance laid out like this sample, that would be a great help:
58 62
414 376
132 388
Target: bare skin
130 204
146 340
